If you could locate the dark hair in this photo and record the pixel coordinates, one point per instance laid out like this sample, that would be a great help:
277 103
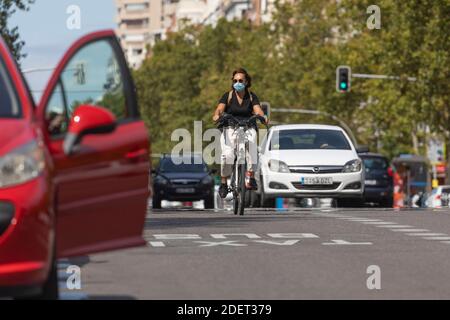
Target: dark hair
247 76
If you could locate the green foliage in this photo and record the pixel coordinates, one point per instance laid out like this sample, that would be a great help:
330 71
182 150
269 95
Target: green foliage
11 34
293 61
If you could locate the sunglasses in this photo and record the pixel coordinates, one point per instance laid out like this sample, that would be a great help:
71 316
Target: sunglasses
238 80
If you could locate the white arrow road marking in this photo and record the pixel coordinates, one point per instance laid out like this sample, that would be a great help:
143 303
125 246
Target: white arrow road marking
282 243
225 235
410 230
221 243
343 242
177 236
292 235
157 244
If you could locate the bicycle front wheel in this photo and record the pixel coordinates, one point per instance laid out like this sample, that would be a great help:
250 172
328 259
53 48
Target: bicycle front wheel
241 189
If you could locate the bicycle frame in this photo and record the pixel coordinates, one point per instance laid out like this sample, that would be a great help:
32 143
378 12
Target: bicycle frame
240 153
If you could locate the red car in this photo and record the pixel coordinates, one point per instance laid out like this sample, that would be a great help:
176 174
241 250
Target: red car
74 169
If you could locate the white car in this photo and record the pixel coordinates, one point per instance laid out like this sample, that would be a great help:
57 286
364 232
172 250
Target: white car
439 197
309 161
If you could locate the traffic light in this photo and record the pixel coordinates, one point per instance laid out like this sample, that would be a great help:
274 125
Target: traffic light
343 79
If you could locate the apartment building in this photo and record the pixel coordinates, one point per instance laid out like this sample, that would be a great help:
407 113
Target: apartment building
143 22
139 24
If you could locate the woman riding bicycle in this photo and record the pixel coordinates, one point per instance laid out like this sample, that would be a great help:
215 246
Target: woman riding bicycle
242 104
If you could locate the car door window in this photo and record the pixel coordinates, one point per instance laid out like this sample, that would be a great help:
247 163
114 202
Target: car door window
56 113
9 108
92 76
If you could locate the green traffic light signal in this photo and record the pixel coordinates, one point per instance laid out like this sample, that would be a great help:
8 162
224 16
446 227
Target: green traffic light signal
343 78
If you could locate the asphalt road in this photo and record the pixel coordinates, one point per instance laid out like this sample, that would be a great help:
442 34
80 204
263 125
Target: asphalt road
296 254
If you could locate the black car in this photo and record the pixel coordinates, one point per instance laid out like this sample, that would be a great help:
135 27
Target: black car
379 181
183 179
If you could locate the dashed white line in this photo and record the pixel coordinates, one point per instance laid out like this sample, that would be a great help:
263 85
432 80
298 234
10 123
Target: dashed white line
436 238
393 226
410 230
364 220
378 223
157 244
426 234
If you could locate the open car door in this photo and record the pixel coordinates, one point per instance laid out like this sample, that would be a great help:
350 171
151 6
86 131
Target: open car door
100 147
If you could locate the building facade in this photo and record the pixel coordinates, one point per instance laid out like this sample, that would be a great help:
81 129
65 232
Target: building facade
141 23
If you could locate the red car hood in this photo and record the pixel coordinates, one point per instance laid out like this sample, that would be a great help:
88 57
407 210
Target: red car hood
13 133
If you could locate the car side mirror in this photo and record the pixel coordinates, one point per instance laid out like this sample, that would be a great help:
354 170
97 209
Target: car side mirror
88 119
362 149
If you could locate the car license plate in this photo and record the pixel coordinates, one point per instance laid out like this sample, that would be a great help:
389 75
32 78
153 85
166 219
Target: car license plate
185 190
317 180
371 182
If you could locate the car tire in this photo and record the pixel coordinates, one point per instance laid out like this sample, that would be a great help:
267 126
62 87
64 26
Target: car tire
209 202
264 201
157 203
50 289
387 203
349 202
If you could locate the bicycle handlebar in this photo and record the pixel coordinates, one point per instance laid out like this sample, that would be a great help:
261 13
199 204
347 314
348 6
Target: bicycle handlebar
238 122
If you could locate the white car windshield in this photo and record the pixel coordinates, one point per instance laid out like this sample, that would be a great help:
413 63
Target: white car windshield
9 108
309 139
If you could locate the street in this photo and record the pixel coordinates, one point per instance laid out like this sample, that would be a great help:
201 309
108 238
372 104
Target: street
268 254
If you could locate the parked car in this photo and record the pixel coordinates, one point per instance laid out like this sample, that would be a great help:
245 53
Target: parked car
308 161
74 168
184 178
439 197
379 182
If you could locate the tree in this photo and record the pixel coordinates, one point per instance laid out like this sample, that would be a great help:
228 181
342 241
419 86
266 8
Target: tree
11 34
293 60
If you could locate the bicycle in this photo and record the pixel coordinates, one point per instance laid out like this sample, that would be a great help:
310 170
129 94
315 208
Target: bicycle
237 185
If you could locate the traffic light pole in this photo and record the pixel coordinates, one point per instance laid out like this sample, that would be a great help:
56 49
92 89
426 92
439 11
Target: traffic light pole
380 76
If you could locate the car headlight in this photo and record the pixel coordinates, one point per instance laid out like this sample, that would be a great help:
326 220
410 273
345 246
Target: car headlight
207 180
353 166
278 166
161 180
21 165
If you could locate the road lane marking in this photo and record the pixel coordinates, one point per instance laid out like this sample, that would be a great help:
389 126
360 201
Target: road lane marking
379 223
157 244
226 235
292 235
358 218
221 243
393 226
177 236
364 220
436 238
410 230
346 243
426 234
283 243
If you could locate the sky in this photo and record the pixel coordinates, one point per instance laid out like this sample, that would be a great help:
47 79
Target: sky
44 29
